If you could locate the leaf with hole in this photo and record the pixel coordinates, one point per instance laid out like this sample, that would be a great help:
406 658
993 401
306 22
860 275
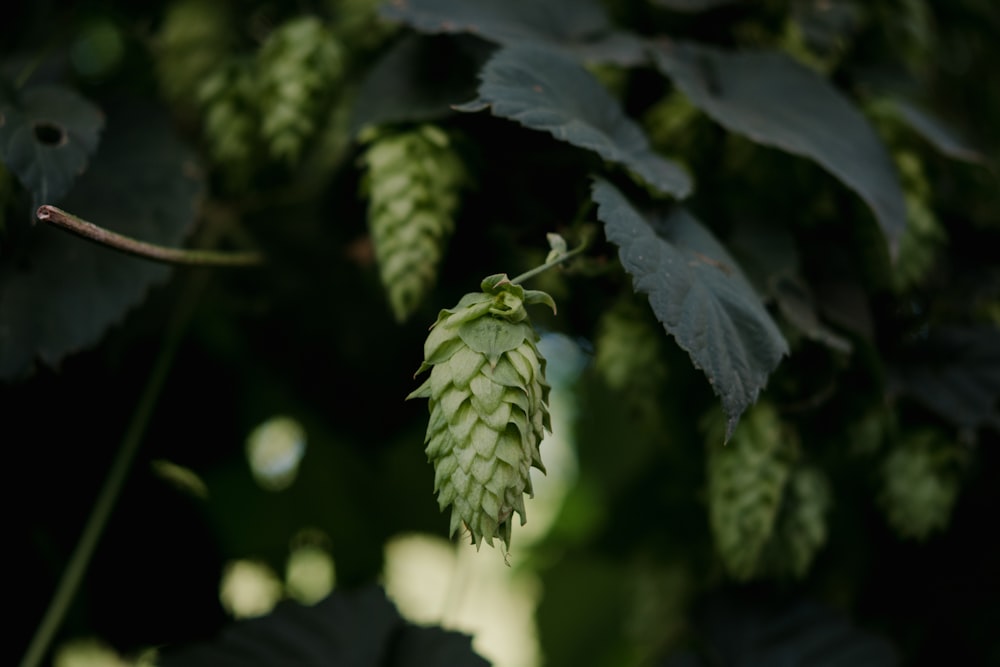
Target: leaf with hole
698 293
59 293
774 101
580 27
47 135
546 90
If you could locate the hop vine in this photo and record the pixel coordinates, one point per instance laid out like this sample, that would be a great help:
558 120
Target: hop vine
488 402
413 181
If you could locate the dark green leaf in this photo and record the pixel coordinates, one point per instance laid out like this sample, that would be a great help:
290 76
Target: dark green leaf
546 90
47 134
699 294
60 293
935 131
419 79
955 372
771 262
578 26
357 629
774 101
749 633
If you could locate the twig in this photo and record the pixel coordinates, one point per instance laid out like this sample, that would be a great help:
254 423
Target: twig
157 253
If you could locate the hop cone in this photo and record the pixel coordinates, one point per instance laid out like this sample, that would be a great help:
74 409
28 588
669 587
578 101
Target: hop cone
801 527
488 404
297 68
746 481
194 37
924 235
228 100
919 485
412 183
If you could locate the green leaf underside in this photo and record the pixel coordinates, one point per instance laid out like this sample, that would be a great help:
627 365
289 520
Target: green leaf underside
544 90
581 27
357 628
774 101
699 294
63 293
47 135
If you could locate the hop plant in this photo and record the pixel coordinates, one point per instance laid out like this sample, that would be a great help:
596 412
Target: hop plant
298 67
193 38
228 100
919 484
488 402
747 479
413 181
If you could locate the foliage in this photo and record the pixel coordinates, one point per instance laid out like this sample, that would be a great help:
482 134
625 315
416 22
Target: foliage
771 235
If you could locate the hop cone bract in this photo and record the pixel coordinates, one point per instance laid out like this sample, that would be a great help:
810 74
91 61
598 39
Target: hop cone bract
413 182
488 403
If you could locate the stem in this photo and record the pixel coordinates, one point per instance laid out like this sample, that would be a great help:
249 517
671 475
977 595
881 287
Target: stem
84 551
157 253
555 262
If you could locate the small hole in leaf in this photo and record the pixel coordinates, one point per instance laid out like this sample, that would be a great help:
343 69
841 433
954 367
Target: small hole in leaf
50 134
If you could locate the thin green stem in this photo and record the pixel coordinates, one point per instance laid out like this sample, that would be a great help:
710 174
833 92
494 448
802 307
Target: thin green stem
89 538
157 253
552 263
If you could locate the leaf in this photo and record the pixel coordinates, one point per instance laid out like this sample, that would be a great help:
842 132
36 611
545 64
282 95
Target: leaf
581 27
418 79
937 133
699 294
744 632
771 262
357 629
774 101
954 371
47 135
546 90
59 293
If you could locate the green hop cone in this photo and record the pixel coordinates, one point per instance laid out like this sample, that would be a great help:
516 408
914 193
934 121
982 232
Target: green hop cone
228 100
193 38
298 68
921 242
413 181
919 484
801 529
747 479
488 403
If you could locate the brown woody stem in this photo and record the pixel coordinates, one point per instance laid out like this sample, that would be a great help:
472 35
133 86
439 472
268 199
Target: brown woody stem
128 245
